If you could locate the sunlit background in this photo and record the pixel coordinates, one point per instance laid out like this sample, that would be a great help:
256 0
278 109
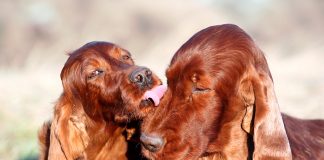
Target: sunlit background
35 36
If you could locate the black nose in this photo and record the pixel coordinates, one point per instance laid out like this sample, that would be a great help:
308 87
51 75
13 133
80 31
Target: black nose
151 143
141 76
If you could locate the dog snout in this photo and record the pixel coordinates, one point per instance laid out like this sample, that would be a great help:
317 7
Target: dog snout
151 143
142 76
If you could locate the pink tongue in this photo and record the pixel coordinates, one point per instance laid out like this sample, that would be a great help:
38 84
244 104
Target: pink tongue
155 94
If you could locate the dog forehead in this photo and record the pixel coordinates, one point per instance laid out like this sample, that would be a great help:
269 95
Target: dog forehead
105 49
108 58
116 52
186 68
94 63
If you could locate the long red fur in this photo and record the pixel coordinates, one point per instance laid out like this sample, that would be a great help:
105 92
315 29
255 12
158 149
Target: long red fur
97 100
221 104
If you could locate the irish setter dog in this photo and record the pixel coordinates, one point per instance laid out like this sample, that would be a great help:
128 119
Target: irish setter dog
220 104
102 89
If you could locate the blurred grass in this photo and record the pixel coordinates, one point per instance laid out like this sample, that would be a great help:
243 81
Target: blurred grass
18 141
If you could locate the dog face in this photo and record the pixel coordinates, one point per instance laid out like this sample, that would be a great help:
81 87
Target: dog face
103 78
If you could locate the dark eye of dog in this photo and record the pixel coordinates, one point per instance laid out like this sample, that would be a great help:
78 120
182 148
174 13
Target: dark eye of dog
95 73
196 90
126 57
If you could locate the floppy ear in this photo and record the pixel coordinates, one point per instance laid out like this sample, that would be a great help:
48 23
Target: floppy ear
68 137
247 93
263 118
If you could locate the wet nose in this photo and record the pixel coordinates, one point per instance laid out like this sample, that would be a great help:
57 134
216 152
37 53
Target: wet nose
151 143
141 76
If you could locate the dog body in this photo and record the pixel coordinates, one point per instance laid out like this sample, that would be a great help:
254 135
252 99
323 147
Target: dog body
306 137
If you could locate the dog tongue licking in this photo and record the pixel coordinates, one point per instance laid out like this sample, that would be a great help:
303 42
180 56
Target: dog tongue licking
155 94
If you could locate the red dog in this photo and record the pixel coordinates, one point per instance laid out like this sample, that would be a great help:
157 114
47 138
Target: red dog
221 104
101 86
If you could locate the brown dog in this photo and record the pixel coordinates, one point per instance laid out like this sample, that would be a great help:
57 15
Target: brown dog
101 86
221 104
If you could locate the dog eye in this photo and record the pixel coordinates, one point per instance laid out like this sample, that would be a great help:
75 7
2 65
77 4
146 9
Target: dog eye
95 73
196 90
126 57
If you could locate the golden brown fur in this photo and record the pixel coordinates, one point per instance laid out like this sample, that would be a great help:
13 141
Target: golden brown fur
97 92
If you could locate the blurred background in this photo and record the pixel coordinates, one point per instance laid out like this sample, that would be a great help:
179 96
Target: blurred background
36 35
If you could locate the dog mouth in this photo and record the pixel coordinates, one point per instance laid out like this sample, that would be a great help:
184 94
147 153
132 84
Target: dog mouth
147 102
154 95
146 106
151 98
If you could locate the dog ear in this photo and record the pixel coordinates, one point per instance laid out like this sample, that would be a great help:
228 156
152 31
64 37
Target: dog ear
68 137
247 94
72 80
263 119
